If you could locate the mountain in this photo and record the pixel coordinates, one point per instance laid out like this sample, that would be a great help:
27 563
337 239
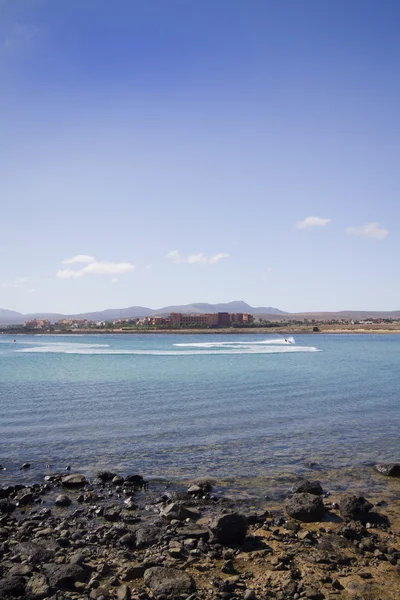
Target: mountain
8 317
11 317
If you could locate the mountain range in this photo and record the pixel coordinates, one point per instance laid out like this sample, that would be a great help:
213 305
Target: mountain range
10 317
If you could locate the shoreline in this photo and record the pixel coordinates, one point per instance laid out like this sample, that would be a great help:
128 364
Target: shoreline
240 331
113 537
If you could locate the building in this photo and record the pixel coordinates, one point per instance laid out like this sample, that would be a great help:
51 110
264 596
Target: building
37 324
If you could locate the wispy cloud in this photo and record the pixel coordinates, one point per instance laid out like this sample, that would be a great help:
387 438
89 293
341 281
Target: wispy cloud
94 267
16 283
312 222
19 283
193 259
78 259
369 230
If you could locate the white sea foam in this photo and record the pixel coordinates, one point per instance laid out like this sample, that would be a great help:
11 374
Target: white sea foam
79 349
275 342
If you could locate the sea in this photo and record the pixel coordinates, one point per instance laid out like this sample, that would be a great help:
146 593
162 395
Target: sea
236 408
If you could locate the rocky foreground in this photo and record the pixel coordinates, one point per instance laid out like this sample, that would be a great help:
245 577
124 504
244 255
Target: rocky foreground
115 537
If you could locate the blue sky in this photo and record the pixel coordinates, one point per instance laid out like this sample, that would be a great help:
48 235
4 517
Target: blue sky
160 152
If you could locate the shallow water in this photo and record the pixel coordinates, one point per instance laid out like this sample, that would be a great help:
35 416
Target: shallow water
201 405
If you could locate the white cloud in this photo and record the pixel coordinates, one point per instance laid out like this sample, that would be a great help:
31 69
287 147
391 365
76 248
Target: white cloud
312 222
69 274
193 259
217 257
16 283
95 267
370 230
79 258
106 267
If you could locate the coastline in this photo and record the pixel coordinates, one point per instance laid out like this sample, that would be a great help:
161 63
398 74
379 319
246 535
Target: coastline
223 331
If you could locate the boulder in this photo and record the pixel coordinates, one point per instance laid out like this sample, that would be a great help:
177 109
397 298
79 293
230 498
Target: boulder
305 507
37 587
12 587
169 583
63 577
389 469
308 487
63 500
136 480
75 480
38 553
6 506
354 508
230 528
179 512
106 476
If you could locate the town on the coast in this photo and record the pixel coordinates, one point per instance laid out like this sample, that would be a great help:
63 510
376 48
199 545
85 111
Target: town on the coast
210 321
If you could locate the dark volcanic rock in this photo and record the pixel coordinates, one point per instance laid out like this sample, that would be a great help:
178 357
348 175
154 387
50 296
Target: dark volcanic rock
12 587
76 480
106 476
63 500
305 507
169 583
63 577
230 528
6 506
308 487
148 534
38 554
389 469
354 508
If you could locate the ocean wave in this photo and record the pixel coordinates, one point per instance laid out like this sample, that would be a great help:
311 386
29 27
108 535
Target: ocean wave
199 352
273 342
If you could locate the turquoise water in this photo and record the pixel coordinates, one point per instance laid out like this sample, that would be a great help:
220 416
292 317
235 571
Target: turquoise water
195 405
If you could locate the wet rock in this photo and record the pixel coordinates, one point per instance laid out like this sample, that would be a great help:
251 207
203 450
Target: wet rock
63 577
63 500
354 508
308 487
169 583
117 480
24 498
200 488
389 469
136 480
26 465
6 506
305 507
12 587
75 480
37 587
105 476
230 528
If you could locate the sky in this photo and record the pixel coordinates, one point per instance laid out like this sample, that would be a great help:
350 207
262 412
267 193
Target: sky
157 152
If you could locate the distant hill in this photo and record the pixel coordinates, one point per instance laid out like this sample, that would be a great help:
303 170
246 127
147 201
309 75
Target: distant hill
8 317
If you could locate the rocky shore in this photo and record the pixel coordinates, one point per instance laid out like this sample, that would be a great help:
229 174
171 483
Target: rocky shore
122 538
